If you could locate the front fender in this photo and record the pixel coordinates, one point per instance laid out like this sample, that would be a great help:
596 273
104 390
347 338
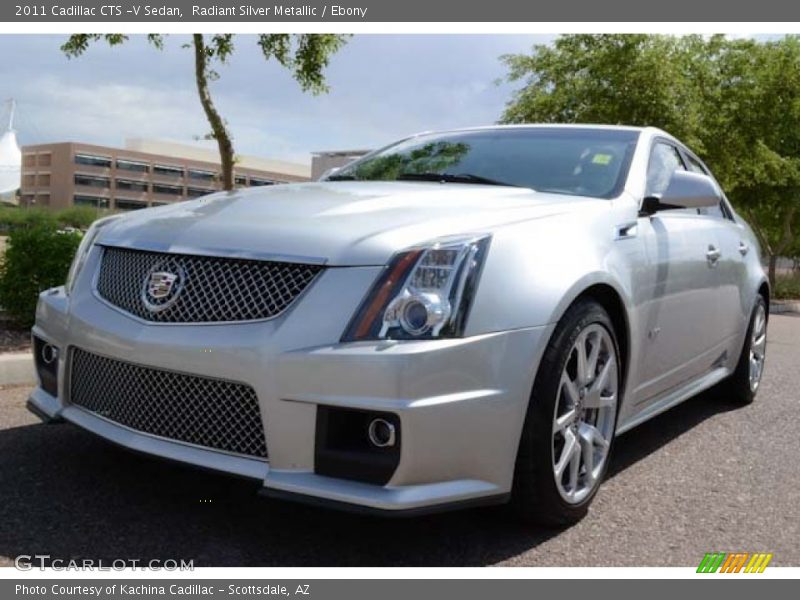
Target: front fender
535 270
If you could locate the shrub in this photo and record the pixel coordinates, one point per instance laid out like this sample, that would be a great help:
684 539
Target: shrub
787 287
12 217
79 217
36 258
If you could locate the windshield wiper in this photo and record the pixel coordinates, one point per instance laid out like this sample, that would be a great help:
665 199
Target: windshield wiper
452 178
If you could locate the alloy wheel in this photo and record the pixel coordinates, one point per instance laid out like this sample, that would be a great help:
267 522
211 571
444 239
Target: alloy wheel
758 346
585 414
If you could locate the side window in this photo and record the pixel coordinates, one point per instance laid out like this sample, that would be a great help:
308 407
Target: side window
694 165
664 161
711 211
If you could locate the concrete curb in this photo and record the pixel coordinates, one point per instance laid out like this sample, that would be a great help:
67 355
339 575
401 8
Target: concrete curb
784 306
16 368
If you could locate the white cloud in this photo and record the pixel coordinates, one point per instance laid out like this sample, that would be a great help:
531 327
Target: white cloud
382 88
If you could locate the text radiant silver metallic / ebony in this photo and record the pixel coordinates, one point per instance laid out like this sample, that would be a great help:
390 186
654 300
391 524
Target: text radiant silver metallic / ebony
460 318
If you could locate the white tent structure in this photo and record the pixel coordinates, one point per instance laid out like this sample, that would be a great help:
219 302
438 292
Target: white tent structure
10 160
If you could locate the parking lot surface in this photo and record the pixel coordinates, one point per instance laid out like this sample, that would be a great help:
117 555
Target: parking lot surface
706 476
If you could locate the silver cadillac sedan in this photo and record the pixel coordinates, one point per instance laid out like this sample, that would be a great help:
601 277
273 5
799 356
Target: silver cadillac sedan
461 318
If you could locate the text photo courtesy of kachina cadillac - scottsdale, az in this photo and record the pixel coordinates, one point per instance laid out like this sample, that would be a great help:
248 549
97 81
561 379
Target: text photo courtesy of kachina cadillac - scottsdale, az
561 327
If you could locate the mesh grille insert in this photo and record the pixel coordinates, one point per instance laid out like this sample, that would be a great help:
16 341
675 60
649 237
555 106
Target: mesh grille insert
205 288
207 412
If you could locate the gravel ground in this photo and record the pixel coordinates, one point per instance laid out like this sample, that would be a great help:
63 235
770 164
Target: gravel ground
704 477
12 338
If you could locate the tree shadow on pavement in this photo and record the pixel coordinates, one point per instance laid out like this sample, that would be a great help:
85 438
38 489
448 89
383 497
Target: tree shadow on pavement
69 495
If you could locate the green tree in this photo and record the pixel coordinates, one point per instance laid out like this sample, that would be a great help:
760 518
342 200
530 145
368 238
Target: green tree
753 144
305 55
735 102
622 79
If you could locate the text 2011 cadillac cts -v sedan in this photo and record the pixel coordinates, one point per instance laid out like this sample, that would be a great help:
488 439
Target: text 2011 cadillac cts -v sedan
460 318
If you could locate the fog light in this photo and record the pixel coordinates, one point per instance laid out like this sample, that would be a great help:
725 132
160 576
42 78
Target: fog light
49 354
381 433
45 357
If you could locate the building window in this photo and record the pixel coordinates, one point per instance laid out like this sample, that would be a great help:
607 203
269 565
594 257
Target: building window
133 165
44 179
29 160
255 181
174 190
45 159
133 186
124 204
96 201
202 175
195 192
91 181
94 161
28 180
168 170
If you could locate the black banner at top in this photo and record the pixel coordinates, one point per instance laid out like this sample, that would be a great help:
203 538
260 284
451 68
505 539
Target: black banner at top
400 11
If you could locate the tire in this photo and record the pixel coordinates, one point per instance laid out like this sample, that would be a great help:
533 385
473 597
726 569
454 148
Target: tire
538 493
740 388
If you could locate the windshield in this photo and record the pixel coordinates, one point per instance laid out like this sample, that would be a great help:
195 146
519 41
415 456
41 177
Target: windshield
582 161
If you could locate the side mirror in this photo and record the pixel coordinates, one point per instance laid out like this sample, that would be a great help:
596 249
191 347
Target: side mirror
685 190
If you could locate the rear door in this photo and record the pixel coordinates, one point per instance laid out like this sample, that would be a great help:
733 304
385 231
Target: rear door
680 328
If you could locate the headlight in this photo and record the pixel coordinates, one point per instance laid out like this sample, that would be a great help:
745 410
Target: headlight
425 292
83 249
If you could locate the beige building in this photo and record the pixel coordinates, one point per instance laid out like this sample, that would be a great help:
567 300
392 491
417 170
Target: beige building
144 173
331 159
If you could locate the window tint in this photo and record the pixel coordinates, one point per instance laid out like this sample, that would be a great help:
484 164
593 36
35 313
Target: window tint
134 186
125 204
91 181
94 161
575 160
168 170
254 182
83 200
160 188
202 175
696 167
664 161
133 165
197 192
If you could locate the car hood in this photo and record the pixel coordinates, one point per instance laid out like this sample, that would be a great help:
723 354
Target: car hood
336 223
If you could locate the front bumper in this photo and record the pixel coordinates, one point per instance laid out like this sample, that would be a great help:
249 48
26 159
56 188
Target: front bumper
461 403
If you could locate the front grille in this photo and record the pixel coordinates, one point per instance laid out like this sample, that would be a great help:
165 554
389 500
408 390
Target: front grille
207 412
207 289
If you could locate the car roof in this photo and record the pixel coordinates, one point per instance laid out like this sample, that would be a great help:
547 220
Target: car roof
650 130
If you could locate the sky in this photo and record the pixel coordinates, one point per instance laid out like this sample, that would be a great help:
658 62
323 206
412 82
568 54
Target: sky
383 87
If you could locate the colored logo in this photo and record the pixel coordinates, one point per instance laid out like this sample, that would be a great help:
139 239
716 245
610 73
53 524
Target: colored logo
734 562
162 286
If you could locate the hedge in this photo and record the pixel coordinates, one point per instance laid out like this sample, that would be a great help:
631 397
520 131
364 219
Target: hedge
79 217
37 257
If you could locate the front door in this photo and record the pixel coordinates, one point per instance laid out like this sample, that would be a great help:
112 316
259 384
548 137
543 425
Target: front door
680 318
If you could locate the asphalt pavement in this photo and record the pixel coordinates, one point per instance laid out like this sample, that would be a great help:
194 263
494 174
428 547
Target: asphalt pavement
706 476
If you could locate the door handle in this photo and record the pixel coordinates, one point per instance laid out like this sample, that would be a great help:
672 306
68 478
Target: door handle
743 248
713 255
